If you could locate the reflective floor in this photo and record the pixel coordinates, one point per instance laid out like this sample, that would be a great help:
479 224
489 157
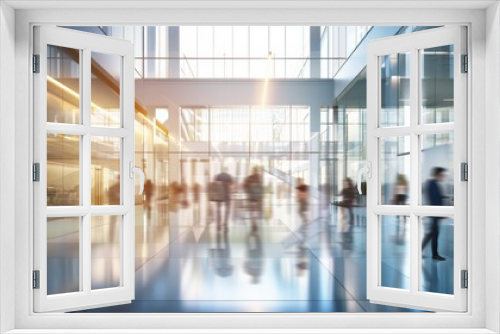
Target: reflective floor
184 264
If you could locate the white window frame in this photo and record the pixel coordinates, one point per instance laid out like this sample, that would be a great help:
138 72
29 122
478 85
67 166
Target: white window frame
85 43
414 44
483 307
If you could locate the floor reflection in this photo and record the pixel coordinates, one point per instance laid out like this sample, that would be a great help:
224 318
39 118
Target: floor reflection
262 264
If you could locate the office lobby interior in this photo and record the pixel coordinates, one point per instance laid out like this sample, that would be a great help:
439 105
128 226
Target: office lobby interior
274 119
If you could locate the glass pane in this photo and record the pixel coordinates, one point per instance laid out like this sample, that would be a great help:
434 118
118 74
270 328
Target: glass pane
437 235
63 255
395 170
395 252
395 90
106 250
437 169
106 171
105 90
63 85
437 84
63 170
259 46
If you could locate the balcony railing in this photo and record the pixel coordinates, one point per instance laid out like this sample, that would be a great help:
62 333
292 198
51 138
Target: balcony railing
234 68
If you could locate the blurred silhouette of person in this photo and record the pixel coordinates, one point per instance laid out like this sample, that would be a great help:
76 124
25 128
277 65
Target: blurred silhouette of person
222 256
254 188
183 195
400 190
303 202
434 197
225 182
302 198
149 190
114 192
114 199
173 196
254 254
400 195
348 194
324 200
196 188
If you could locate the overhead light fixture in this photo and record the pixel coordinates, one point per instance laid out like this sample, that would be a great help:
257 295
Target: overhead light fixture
161 115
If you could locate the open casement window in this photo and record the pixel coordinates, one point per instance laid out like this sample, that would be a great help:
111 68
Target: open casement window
417 147
84 168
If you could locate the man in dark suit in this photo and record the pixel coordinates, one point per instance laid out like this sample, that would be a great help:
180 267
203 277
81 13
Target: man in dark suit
435 198
227 182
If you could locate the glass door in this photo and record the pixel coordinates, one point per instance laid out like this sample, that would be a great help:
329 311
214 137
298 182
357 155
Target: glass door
84 153
417 145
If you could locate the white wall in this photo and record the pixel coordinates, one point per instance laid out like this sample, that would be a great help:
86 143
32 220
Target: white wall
278 321
7 159
492 152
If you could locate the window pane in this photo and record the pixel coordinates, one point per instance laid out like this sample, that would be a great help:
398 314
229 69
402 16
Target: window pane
437 236
154 68
395 170
205 41
437 169
437 84
63 255
395 90
106 171
297 42
277 41
240 38
259 42
258 68
223 42
395 252
105 89
63 170
188 41
241 68
106 249
205 68
63 85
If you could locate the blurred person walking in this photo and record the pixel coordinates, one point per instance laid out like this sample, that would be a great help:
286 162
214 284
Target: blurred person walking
303 202
400 190
114 192
400 194
348 194
254 187
220 192
253 264
435 197
196 189
149 190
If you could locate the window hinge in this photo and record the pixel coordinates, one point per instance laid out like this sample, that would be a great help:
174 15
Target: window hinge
465 279
36 172
36 63
465 64
464 171
36 279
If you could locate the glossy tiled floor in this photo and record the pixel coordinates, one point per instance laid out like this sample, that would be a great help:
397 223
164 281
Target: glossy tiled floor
184 265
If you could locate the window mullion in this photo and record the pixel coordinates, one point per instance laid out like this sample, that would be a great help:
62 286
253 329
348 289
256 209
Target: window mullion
415 253
86 168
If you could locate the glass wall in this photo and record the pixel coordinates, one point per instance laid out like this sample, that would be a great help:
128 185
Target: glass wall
273 133
238 52
246 208
244 52
337 44
343 135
